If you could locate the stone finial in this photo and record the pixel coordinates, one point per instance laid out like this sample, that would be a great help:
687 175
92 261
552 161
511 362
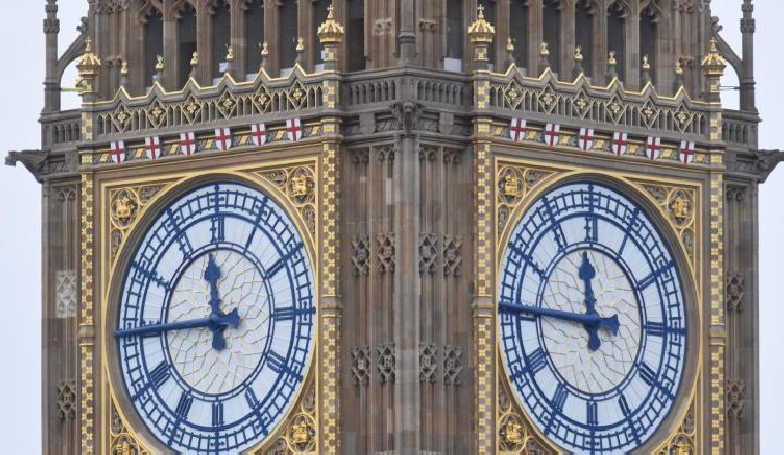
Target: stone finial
544 56
160 66
612 67
229 59
481 34
300 50
88 66
194 64
124 74
713 65
264 55
678 70
578 62
510 58
646 70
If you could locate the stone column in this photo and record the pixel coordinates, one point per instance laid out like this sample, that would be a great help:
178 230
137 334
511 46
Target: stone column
170 52
407 36
600 46
52 81
632 56
567 38
238 41
747 85
204 43
535 32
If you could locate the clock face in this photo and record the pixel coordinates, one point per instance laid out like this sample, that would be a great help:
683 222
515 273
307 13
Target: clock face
592 319
216 320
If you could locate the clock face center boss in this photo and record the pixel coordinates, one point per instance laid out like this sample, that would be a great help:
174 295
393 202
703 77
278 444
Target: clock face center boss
592 319
216 321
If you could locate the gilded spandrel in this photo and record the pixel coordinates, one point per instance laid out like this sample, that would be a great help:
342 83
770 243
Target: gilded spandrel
391 226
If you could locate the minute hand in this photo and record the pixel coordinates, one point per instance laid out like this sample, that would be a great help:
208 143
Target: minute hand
594 319
220 321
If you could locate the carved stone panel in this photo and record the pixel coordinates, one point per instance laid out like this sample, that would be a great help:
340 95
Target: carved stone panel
65 294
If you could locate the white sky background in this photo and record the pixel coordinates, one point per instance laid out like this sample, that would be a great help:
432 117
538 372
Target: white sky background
22 51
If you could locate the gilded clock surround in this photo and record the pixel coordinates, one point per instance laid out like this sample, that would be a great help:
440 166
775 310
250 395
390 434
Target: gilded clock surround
517 184
292 183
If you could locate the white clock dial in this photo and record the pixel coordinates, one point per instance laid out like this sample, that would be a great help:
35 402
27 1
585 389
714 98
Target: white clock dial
592 319
216 321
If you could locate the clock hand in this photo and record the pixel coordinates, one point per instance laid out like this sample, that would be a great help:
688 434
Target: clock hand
587 273
221 321
592 320
212 274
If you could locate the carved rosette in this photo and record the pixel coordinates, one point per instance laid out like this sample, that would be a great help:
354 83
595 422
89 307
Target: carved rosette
678 206
298 183
513 184
125 208
515 433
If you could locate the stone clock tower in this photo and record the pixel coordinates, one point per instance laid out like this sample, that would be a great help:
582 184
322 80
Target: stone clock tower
398 226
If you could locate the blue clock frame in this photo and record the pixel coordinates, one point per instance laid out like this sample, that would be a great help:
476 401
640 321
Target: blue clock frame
592 219
223 218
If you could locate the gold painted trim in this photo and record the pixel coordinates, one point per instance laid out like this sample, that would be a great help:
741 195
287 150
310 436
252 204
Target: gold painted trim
176 181
562 172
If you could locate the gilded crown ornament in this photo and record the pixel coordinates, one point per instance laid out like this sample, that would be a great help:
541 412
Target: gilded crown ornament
160 63
713 64
330 31
88 67
481 31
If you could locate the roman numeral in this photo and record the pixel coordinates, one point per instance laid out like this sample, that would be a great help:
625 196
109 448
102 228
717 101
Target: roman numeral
250 397
218 228
536 361
650 279
184 406
636 430
290 313
217 413
647 374
658 329
559 398
160 374
592 413
281 262
591 229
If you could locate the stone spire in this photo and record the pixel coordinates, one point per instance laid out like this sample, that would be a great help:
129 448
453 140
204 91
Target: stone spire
544 56
646 70
748 26
578 62
52 82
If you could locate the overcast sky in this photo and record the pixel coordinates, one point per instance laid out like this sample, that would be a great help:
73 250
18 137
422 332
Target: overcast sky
22 50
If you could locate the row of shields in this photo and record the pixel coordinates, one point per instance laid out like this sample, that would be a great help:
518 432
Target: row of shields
188 144
586 140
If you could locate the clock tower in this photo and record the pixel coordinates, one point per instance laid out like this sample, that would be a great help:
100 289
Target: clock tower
389 226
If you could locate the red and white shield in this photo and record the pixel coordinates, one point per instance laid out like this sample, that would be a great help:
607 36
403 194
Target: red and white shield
653 147
552 131
517 129
223 138
152 147
258 131
188 143
687 151
118 151
620 143
586 139
294 129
